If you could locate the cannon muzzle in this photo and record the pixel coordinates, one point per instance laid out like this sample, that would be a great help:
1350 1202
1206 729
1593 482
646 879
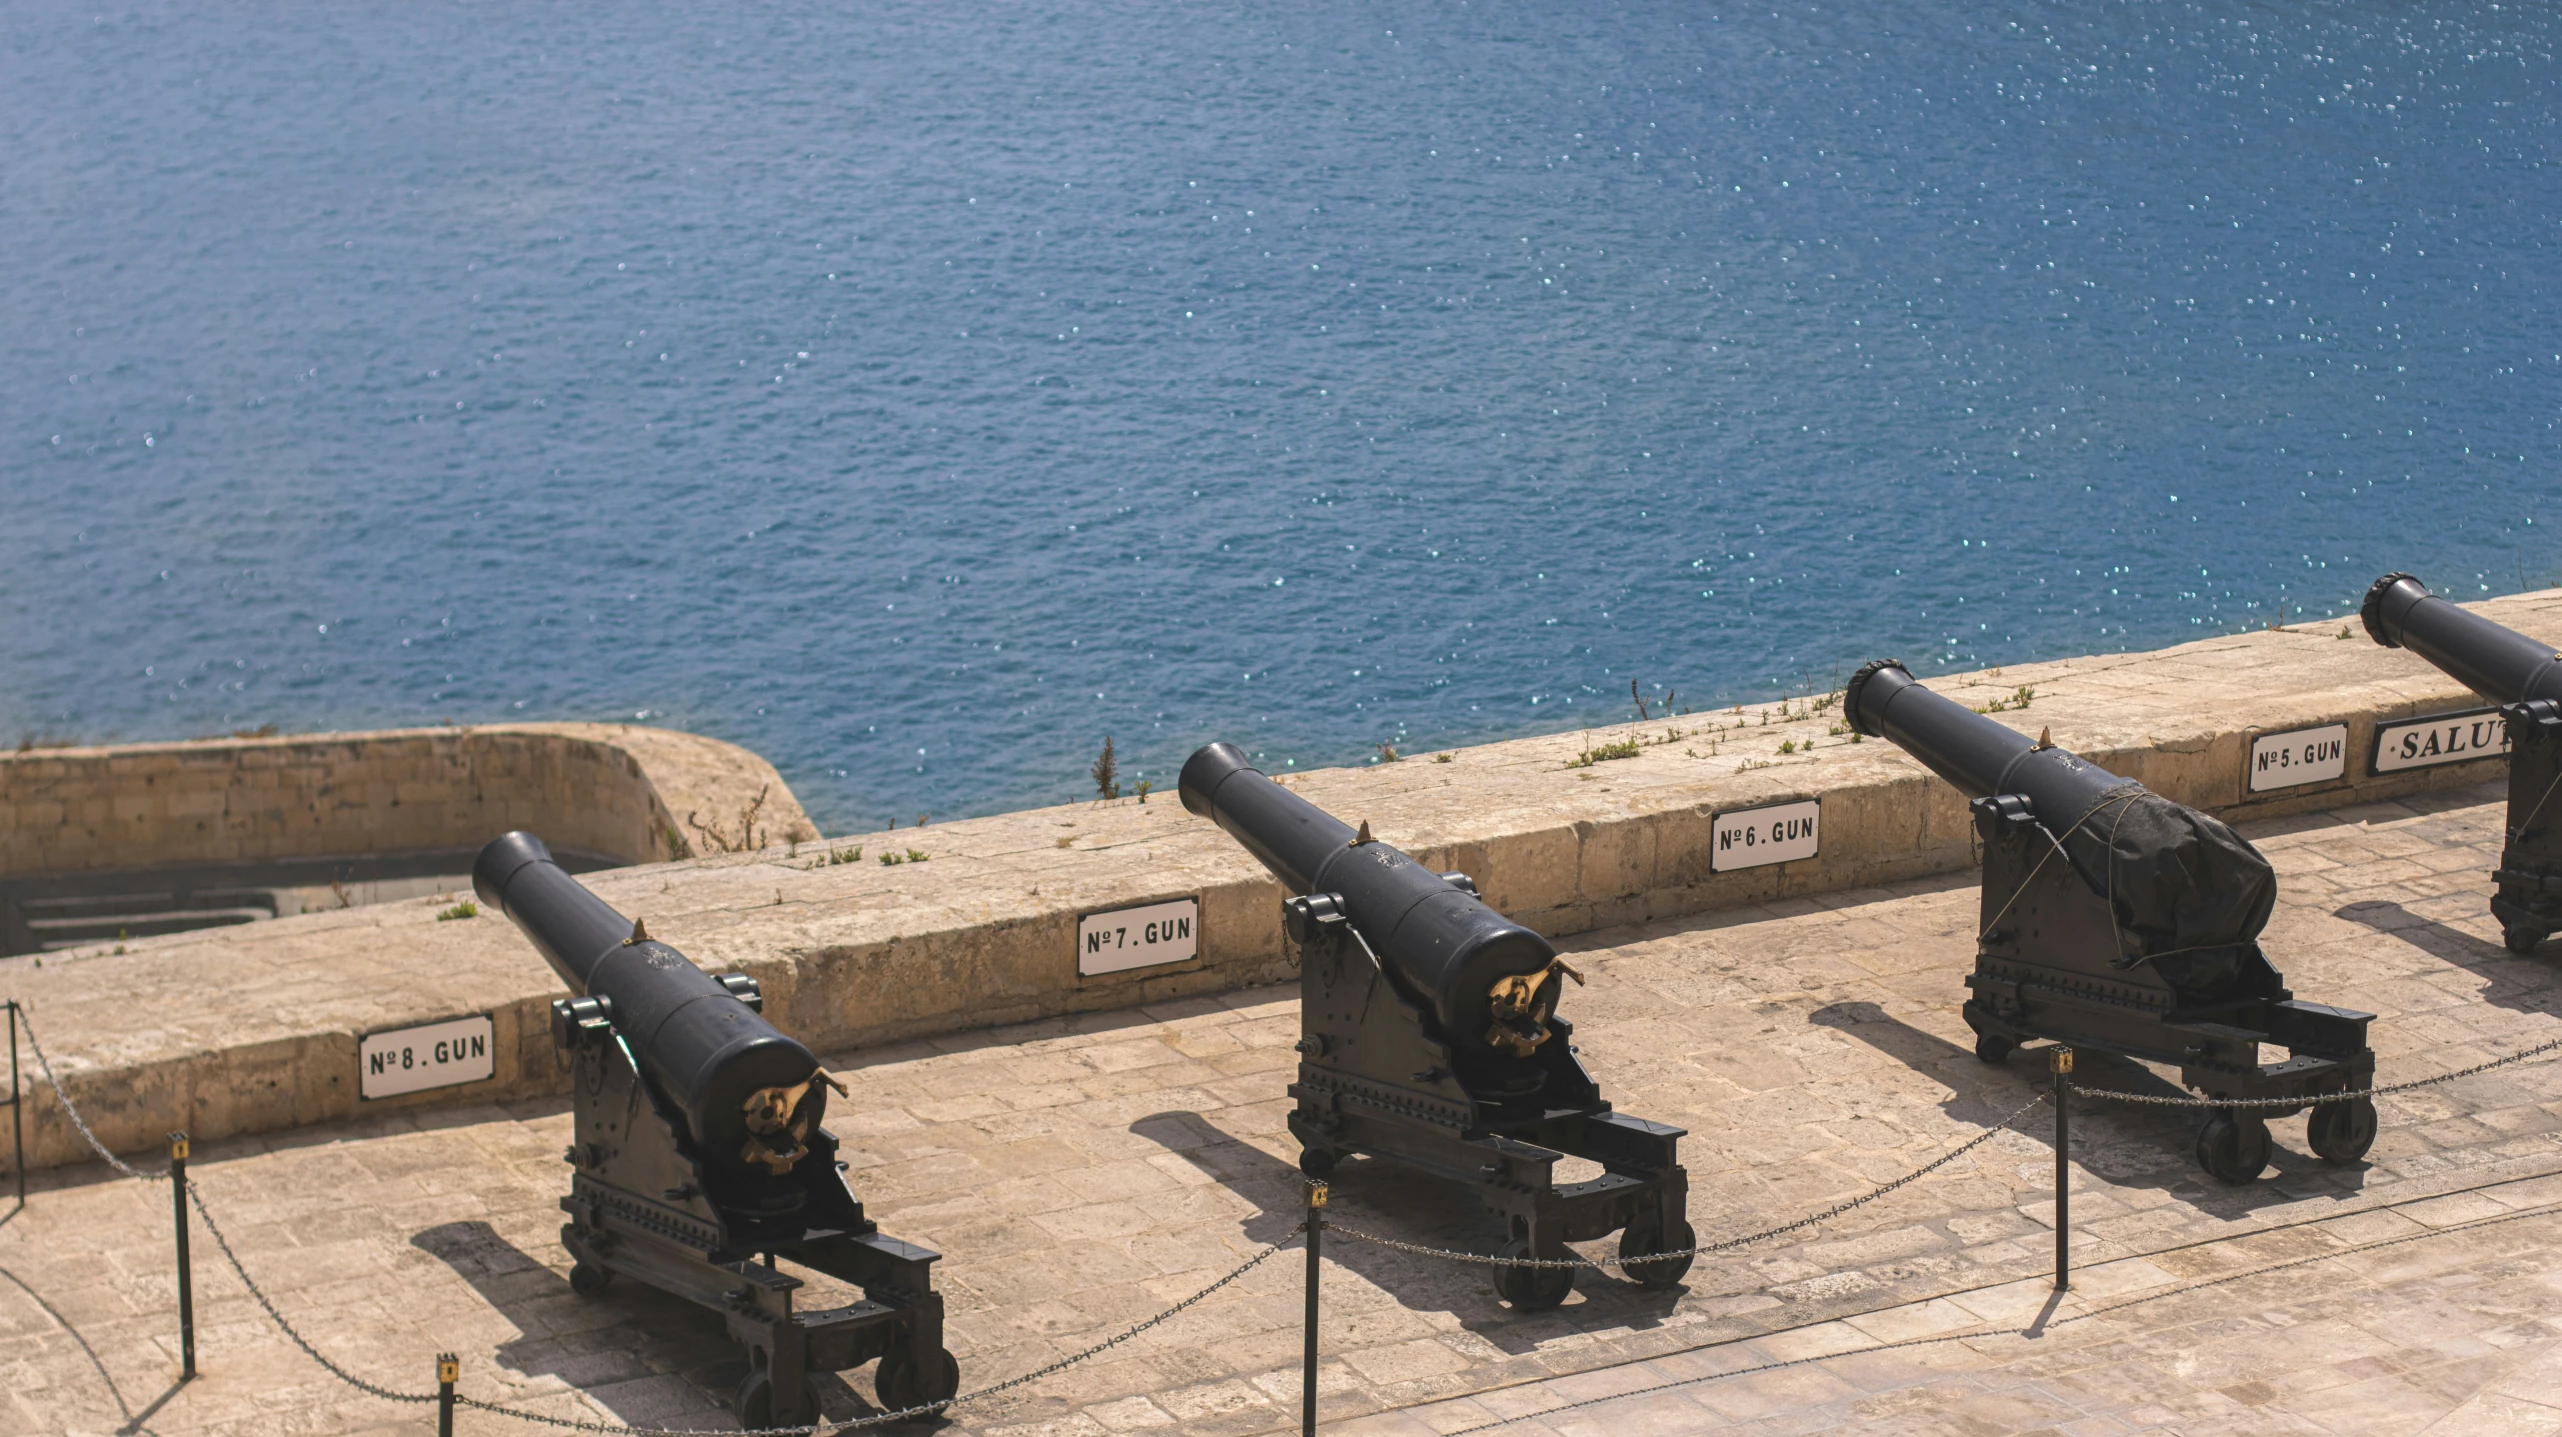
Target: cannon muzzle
2491 659
750 1097
1487 982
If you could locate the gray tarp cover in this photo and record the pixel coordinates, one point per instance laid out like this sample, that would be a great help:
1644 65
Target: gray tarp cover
2182 884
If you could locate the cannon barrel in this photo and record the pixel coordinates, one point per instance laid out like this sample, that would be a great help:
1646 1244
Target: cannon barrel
2186 893
716 1059
1977 755
2491 659
1445 950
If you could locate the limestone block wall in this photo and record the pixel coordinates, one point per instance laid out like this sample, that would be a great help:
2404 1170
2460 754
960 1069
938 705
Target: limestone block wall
620 790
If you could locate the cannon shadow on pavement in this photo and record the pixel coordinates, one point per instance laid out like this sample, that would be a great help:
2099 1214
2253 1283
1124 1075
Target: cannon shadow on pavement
1395 1201
2506 977
622 1349
2124 1146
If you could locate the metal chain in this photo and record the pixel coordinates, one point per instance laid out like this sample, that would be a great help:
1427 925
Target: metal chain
1249 1265
196 1199
903 1414
72 1110
1722 1244
2155 1100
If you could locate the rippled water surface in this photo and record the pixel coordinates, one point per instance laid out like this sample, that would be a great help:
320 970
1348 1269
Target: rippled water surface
917 393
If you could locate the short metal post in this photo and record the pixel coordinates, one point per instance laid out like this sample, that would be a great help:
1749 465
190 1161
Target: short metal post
17 1119
448 1367
2063 1060
1308 1361
186 1277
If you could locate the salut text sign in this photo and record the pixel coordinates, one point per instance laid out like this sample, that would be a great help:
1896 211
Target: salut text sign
2298 756
2439 738
1146 937
433 1055
1774 833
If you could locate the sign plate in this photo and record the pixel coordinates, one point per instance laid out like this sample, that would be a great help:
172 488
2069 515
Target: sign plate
434 1055
2439 738
1148 937
1752 837
2299 756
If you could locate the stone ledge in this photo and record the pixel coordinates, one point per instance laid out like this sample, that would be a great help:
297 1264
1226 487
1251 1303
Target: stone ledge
253 1029
618 789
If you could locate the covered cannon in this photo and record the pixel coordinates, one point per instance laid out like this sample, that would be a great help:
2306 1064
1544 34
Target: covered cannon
1430 1037
2117 920
2524 677
699 1149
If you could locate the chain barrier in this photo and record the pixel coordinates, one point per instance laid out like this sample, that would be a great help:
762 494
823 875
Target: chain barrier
222 1244
231 1259
26 1019
877 1419
196 1199
1702 1249
2156 1100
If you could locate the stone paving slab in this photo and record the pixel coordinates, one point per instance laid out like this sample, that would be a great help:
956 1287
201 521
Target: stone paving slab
1084 1172
2443 1331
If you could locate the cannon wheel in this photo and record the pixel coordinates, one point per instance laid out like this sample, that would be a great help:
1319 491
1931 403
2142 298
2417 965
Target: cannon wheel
588 1280
2522 937
2340 1133
1645 1238
1993 1047
2233 1147
1318 1163
901 1385
753 1402
1531 1289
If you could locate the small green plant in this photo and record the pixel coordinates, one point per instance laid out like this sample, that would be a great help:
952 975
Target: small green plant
1107 773
916 855
1387 753
1789 746
1748 765
842 855
1444 757
1625 748
891 860
1144 786
464 909
1857 737
2018 699
1837 730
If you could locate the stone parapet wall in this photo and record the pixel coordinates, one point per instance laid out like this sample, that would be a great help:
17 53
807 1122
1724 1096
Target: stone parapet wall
255 1028
612 789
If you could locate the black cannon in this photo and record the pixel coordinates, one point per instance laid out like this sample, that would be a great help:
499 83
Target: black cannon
699 1149
2117 920
2524 677
1430 1036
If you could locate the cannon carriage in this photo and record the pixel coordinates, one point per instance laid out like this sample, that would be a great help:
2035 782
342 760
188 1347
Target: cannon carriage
2116 920
1430 1037
700 1157
2524 677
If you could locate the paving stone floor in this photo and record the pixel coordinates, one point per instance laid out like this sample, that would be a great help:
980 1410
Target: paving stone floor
1085 1173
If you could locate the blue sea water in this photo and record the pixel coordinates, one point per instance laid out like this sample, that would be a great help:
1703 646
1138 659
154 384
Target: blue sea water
917 393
